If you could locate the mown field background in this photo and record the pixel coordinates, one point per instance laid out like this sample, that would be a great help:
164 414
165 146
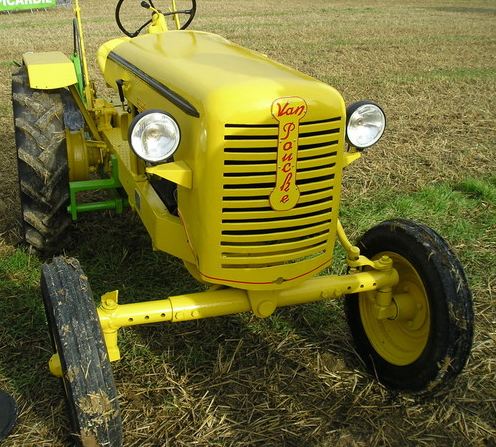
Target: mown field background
293 379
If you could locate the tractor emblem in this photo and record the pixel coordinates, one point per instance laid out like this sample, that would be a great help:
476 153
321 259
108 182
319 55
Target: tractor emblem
288 111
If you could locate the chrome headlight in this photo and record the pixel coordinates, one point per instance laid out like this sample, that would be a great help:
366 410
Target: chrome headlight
154 136
365 124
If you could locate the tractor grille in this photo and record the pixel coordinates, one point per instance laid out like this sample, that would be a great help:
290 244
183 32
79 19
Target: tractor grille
253 235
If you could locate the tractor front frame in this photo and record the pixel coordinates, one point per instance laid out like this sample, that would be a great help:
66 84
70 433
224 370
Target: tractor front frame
218 301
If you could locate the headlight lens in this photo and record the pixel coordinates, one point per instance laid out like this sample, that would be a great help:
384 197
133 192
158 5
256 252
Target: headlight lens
365 125
154 136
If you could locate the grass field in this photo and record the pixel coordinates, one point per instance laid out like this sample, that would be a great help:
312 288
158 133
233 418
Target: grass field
292 379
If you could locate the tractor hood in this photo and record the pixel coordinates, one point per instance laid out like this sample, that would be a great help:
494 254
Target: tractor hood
197 70
264 144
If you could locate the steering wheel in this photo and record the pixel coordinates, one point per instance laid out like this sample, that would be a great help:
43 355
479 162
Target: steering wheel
149 5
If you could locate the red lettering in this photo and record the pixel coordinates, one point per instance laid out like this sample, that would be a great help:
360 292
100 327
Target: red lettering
281 110
299 110
288 111
287 182
288 146
286 168
288 128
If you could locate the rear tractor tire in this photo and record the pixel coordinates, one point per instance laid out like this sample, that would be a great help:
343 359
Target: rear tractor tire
42 162
426 345
77 337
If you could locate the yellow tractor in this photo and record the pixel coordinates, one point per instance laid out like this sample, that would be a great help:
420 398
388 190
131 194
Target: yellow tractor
233 162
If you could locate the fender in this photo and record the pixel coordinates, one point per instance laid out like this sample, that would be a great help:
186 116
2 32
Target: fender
49 70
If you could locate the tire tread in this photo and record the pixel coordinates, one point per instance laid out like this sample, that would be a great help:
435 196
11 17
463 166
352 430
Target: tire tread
76 332
449 344
42 163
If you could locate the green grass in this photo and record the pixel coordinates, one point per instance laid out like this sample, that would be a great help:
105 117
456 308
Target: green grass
463 213
449 74
441 204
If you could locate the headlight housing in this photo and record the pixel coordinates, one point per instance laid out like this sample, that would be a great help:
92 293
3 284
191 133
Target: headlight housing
154 136
365 124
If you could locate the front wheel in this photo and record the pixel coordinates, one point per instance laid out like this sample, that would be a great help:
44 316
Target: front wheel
77 337
427 343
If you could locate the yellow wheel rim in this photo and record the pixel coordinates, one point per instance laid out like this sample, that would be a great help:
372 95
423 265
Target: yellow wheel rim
401 340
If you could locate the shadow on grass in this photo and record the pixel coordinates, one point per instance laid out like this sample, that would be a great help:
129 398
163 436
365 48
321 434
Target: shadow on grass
279 381
291 379
26 349
253 382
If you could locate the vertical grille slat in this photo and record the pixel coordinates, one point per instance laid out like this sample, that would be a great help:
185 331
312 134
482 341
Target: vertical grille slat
253 235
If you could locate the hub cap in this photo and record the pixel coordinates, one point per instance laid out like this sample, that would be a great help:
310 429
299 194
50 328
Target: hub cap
399 340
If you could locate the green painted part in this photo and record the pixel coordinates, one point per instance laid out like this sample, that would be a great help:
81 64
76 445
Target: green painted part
18 5
79 75
97 206
111 183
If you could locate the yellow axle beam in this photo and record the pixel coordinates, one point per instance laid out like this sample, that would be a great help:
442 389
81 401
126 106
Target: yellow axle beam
226 301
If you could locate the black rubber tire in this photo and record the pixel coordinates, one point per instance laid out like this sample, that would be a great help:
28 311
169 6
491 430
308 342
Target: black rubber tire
448 295
8 414
42 163
77 336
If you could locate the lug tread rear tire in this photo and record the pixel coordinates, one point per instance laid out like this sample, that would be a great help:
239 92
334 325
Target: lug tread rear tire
42 163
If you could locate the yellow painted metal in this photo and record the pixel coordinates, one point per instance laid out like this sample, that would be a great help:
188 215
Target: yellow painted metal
77 155
232 89
352 251
401 334
350 157
88 118
354 260
122 119
104 113
42 66
158 25
288 112
55 366
385 307
109 304
176 16
225 301
178 172
83 156
166 231
88 89
104 50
